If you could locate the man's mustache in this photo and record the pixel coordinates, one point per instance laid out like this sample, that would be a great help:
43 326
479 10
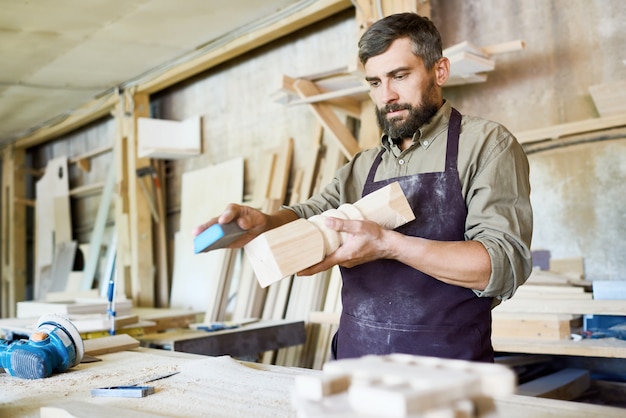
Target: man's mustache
395 107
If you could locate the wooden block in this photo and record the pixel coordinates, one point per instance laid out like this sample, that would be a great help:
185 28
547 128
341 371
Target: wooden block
534 326
573 267
168 139
565 384
297 245
407 385
279 253
110 344
316 387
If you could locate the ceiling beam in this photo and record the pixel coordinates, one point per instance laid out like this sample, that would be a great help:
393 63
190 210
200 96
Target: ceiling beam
93 110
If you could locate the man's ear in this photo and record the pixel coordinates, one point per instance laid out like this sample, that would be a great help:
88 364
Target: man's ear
442 71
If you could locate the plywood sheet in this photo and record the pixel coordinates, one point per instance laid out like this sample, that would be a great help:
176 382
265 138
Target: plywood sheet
205 193
52 212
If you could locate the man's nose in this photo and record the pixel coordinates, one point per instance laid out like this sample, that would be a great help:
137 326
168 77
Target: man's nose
388 94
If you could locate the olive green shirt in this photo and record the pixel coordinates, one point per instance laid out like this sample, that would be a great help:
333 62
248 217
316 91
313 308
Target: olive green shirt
494 174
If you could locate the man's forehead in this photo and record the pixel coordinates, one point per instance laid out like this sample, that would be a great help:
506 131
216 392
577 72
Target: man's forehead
399 55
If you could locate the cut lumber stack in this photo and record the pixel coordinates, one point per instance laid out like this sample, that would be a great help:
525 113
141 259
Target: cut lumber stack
542 289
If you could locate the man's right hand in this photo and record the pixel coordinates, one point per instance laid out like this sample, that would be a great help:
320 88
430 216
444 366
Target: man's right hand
250 219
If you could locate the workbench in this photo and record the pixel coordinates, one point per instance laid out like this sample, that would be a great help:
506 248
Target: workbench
204 387
244 341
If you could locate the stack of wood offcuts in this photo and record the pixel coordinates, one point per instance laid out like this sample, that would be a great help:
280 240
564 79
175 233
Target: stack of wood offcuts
525 315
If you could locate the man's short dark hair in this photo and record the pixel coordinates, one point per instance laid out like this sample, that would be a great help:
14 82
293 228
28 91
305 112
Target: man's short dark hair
420 30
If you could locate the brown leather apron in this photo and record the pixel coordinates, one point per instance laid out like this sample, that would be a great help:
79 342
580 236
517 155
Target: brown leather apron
389 307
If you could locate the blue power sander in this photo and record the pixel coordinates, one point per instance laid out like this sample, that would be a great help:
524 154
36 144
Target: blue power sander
54 347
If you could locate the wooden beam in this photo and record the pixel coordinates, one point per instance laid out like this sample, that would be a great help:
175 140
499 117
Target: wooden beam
139 216
315 12
290 248
94 110
13 229
572 128
327 117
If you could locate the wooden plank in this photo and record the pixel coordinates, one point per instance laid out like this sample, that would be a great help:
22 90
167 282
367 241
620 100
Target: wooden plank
518 406
53 223
565 385
563 306
572 267
369 134
572 128
198 278
139 217
533 326
605 347
121 204
270 191
95 241
110 344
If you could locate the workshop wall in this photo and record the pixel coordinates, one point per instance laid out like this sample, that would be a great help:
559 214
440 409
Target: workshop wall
577 190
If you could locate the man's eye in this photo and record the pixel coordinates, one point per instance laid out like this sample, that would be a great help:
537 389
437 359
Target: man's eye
374 83
400 76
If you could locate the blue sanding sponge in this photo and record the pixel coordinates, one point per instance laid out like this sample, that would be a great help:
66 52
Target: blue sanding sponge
217 236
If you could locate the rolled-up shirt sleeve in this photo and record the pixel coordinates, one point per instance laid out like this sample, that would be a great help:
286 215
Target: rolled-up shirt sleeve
500 213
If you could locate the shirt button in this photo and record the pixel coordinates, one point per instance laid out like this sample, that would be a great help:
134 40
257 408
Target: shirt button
401 161
426 143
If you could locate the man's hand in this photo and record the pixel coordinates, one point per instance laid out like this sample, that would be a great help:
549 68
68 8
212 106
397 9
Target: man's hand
252 220
363 241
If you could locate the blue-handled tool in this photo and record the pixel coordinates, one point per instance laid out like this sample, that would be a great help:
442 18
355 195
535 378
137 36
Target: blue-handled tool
111 305
217 236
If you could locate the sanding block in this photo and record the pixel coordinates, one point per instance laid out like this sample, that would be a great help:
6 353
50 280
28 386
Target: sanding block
217 236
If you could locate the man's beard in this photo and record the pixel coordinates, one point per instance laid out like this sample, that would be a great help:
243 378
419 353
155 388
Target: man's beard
400 128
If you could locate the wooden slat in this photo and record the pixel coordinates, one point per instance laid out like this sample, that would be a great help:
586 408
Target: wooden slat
13 222
139 216
572 128
605 347
565 384
327 117
563 306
